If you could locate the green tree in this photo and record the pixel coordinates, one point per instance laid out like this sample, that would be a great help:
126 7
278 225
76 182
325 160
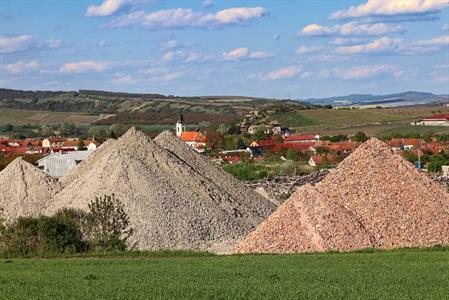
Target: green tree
260 134
291 154
9 127
81 146
360 137
240 144
107 225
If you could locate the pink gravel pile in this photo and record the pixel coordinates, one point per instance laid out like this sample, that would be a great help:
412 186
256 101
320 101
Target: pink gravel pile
373 199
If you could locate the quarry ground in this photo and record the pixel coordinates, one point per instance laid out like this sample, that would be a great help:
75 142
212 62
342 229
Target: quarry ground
398 274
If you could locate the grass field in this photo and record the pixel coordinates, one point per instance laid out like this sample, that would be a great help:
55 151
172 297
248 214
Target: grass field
33 117
399 274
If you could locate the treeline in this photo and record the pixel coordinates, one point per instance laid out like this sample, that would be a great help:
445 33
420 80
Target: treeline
34 95
166 118
67 105
122 95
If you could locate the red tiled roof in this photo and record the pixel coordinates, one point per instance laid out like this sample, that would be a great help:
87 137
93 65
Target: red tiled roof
405 142
232 159
303 147
438 117
347 146
193 136
299 138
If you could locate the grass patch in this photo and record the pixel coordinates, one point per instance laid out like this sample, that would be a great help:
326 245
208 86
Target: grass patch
406 273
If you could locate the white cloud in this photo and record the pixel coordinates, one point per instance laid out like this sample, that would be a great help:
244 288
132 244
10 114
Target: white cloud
350 29
52 43
364 72
15 43
393 10
107 8
236 53
208 3
283 73
309 49
243 52
382 45
438 41
125 80
186 17
84 66
260 55
182 55
442 66
348 41
21 67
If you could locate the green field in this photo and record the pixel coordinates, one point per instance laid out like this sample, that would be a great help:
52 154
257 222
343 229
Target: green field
399 274
34 117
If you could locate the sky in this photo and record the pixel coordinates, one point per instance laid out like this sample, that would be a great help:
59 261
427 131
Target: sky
277 49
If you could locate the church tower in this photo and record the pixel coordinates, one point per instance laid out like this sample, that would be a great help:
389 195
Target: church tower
180 127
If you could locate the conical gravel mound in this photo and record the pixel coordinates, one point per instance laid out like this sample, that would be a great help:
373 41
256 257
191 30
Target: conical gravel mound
25 190
374 198
170 202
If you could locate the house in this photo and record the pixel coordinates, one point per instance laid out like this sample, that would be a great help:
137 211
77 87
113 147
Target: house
405 144
323 159
343 147
53 142
194 139
74 144
435 120
303 138
302 147
60 163
271 144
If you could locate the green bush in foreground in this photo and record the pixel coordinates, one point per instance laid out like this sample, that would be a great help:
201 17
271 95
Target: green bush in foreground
105 227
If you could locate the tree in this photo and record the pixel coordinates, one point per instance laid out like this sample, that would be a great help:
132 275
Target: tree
81 146
107 225
240 144
292 154
260 134
9 127
360 137
119 129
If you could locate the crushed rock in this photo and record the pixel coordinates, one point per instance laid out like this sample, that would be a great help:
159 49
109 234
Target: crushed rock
173 198
25 191
373 199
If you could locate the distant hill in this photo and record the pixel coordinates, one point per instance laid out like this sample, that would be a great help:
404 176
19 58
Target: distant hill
398 99
132 104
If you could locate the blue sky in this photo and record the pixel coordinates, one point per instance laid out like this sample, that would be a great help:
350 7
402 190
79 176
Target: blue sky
297 49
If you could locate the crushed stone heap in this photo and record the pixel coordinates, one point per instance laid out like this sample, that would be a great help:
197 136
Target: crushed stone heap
25 190
373 199
172 203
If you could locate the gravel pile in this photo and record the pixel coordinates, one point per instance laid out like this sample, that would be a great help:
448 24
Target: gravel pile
172 199
374 198
25 190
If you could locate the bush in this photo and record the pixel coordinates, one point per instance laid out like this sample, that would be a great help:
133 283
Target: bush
247 171
107 225
360 137
57 234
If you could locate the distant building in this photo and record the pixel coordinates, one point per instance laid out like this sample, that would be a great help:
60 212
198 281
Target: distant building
194 139
53 142
302 138
323 159
59 164
435 120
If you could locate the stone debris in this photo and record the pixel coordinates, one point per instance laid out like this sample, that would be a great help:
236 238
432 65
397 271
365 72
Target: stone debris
25 190
175 198
276 188
373 199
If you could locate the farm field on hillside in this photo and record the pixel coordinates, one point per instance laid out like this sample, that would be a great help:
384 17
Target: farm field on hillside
411 274
35 117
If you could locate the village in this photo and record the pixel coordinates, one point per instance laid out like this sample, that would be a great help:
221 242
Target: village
255 142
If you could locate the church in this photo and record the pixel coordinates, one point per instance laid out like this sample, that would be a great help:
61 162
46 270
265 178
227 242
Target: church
194 139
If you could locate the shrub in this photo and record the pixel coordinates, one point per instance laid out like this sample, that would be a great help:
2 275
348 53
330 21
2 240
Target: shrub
107 225
43 235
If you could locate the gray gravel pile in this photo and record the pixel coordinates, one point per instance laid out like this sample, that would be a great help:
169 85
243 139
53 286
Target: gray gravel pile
172 200
25 190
